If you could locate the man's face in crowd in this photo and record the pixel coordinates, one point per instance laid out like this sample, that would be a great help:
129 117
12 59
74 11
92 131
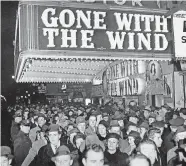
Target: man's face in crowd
133 119
26 114
173 128
102 129
70 127
79 141
60 114
43 111
94 159
25 129
92 121
41 121
121 123
18 119
112 144
54 137
79 112
64 160
106 118
81 127
146 114
142 131
131 140
49 113
149 151
115 129
157 139
140 162
4 161
70 113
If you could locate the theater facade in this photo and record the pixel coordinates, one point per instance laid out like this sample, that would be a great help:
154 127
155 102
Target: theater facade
124 49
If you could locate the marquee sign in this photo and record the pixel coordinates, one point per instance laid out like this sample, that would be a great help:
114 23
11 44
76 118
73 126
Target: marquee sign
67 28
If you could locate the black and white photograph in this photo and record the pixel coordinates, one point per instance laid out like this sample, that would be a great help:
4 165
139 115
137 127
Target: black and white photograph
93 83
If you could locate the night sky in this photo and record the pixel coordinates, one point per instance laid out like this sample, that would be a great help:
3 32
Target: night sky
8 20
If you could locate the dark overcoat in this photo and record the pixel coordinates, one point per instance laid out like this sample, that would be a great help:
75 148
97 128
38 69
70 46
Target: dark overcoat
22 145
44 156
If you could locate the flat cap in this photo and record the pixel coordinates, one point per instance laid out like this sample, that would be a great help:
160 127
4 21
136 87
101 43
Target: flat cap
133 114
104 123
144 125
44 128
158 124
78 136
62 150
53 127
113 135
41 115
179 121
134 134
6 151
74 130
118 116
114 123
105 114
80 119
152 115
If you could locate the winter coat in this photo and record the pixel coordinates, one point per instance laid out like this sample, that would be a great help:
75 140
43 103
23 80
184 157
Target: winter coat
44 156
22 145
32 134
33 152
14 130
116 159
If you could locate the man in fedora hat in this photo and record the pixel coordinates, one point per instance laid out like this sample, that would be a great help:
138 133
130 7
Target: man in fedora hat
15 127
48 151
81 124
41 120
62 156
42 141
6 156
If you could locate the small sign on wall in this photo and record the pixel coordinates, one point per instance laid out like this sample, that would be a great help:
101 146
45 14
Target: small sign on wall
179 24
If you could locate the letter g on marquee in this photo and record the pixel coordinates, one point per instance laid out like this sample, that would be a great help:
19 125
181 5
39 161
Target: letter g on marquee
45 18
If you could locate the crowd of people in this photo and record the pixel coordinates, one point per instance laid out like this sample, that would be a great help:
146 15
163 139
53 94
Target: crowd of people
93 135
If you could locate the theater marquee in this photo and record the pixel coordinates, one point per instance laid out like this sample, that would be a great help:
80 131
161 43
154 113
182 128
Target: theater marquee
63 28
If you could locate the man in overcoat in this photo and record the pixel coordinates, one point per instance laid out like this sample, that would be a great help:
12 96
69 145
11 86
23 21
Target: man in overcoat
22 143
